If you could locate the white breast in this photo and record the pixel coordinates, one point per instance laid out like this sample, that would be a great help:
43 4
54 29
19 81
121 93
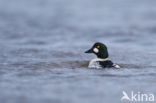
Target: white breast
94 63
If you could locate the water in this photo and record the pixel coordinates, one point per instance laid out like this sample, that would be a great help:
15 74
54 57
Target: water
42 45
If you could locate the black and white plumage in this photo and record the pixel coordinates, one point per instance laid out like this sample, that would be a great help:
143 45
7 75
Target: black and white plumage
102 60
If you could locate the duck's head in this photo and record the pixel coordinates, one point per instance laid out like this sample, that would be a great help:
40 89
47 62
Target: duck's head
99 49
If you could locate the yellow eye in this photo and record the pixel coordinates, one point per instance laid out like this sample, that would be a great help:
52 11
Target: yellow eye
98 46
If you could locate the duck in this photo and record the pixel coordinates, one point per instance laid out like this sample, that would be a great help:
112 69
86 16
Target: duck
102 60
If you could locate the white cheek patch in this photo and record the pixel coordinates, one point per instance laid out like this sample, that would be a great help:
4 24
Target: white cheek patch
96 50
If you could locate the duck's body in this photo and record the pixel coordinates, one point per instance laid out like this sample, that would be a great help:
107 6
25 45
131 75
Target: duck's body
102 63
102 60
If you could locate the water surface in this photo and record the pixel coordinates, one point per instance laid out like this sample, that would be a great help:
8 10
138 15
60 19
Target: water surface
42 45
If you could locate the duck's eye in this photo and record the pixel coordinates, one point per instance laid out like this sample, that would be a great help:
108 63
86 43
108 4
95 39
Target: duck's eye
98 46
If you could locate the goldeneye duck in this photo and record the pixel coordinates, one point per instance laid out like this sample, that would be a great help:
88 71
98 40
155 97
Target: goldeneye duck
102 61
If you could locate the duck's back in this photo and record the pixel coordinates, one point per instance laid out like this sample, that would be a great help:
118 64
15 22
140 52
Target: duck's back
105 64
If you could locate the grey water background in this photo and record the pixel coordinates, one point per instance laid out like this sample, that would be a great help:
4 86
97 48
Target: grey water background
42 44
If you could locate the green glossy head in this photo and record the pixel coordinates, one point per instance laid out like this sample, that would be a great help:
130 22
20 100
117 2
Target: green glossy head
99 49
